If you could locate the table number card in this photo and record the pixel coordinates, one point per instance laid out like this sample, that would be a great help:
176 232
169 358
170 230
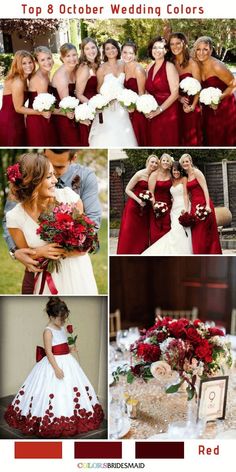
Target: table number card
212 398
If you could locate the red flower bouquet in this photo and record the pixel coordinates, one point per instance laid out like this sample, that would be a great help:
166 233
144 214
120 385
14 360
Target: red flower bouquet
201 213
187 220
188 347
71 339
160 209
64 225
145 196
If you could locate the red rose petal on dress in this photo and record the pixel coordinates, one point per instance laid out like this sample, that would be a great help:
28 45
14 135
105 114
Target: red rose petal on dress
75 389
78 394
51 395
21 392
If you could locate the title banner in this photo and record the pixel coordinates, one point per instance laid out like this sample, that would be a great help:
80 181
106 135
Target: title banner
102 9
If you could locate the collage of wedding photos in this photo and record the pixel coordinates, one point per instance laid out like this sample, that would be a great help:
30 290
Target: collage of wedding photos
118 229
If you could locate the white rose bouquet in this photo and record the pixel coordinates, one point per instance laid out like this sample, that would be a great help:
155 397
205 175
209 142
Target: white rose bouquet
44 102
127 98
146 103
68 104
190 86
110 90
210 96
98 102
84 112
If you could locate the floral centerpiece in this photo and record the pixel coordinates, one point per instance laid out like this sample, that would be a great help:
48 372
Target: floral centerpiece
190 348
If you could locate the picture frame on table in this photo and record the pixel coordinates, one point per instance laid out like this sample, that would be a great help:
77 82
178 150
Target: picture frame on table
213 398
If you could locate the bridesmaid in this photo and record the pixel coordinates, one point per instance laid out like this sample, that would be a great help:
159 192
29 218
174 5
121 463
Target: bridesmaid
63 85
135 80
40 130
219 124
163 83
134 228
12 125
189 108
159 184
86 79
205 238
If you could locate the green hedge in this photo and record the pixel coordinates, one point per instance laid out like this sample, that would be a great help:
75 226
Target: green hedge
5 62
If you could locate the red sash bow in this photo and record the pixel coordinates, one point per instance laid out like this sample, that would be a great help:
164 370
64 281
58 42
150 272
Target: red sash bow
57 350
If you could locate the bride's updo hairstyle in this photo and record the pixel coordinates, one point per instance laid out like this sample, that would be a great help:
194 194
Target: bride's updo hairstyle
114 43
56 307
33 170
152 156
186 156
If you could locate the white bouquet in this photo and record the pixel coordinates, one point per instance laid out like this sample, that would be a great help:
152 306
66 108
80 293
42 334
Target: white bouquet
127 98
190 86
84 112
98 102
210 96
68 104
110 90
44 102
146 103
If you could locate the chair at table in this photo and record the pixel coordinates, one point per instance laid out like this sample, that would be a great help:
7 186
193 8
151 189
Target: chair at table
114 323
177 314
233 323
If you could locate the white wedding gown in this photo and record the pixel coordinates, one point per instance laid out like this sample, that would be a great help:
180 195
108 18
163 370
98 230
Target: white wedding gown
46 406
75 276
178 240
116 129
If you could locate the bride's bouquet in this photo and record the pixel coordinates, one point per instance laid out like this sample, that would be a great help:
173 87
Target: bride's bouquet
187 220
201 213
111 89
128 98
84 112
44 102
190 348
98 102
68 104
146 103
64 225
160 209
210 96
190 86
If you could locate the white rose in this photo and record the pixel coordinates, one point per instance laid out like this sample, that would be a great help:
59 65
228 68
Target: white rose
160 368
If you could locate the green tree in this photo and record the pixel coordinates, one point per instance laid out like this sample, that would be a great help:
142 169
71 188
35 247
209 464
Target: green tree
101 30
30 29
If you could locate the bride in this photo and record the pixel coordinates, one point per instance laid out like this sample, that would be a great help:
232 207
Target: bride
178 240
33 186
115 128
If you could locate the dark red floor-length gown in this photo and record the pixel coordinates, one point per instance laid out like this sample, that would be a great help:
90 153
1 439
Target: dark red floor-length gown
12 124
160 226
40 131
205 238
67 130
134 228
138 120
190 124
219 125
163 129
89 91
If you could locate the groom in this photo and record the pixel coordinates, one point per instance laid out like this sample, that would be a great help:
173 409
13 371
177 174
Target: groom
69 174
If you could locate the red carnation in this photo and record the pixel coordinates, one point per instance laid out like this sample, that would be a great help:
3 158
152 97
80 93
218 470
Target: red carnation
178 328
204 351
216 332
149 352
193 335
69 329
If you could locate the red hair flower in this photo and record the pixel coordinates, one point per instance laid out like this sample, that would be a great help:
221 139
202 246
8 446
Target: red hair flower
14 174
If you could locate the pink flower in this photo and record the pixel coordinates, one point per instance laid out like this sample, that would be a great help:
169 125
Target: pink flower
14 174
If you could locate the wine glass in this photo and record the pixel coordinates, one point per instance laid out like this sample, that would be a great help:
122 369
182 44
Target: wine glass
122 340
116 418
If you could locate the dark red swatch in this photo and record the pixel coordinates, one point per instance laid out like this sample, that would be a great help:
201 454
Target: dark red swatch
38 450
159 450
98 450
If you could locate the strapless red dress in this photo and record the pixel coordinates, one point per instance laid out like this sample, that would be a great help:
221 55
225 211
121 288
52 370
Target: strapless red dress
205 238
163 129
134 228
190 124
67 130
12 124
160 226
40 131
138 120
219 125
89 91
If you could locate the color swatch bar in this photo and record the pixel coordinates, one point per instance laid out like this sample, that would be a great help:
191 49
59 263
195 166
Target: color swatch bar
38 450
159 450
98 450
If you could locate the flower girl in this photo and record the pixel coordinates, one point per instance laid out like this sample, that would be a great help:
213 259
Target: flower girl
56 399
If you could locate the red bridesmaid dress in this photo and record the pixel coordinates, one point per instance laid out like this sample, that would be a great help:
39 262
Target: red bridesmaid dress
205 238
138 120
40 131
67 130
162 129
160 226
219 125
190 124
134 228
89 91
12 124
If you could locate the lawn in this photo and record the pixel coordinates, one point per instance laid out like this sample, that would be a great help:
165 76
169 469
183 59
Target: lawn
12 272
